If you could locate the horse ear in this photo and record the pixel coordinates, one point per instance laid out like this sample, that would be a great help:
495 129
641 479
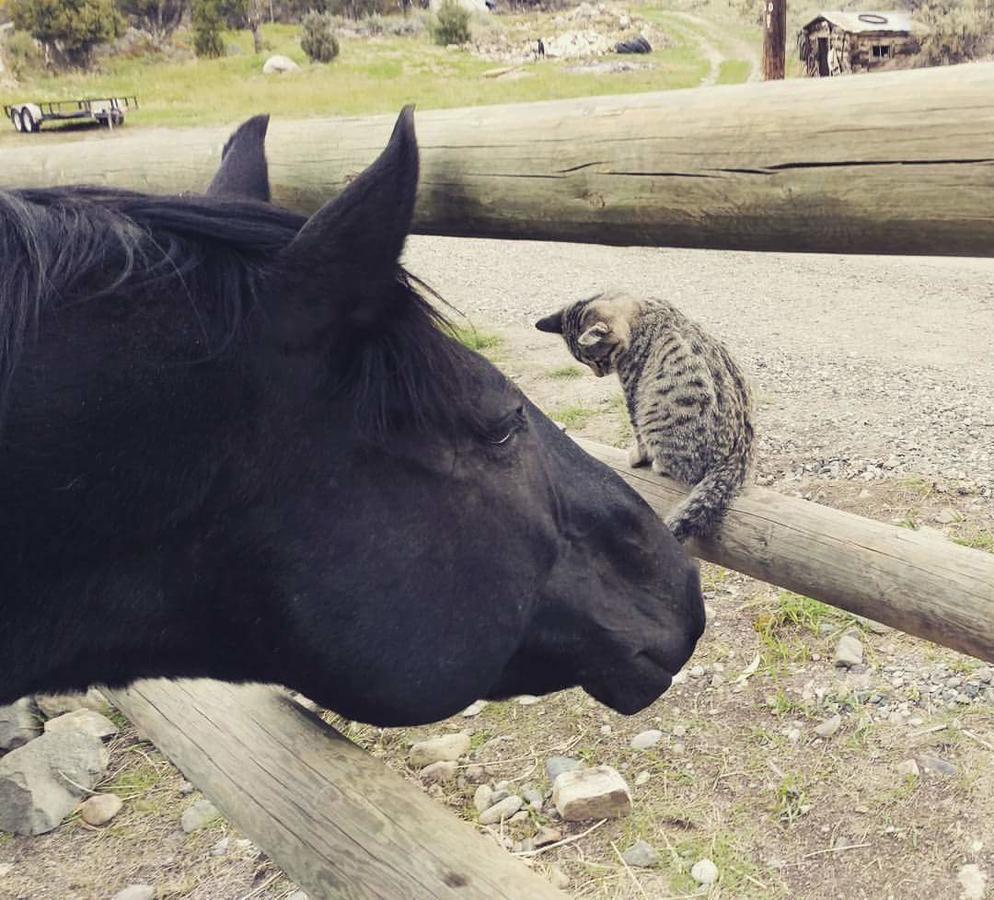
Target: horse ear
594 335
243 173
551 324
353 243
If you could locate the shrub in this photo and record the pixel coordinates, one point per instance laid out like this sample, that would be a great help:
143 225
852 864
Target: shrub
958 32
451 25
157 18
317 37
22 54
207 21
70 29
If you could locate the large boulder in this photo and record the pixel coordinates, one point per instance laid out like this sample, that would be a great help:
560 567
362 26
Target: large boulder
83 720
278 65
19 723
41 782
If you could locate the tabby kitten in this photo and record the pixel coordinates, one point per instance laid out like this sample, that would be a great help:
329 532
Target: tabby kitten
688 401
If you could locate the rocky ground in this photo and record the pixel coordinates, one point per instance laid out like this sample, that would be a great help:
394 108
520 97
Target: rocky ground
804 753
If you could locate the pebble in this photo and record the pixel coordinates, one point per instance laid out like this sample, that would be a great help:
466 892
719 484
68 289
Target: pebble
936 765
185 789
475 773
501 810
532 797
298 895
642 855
848 652
704 872
445 747
528 700
86 720
546 835
199 815
606 730
136 892
973 880
474 709
556 765
6 869
221 847
558 877
646 739
444 770
908 767
54 705
829 727
597 793
679 730
19 724
642 778
483 798
100 809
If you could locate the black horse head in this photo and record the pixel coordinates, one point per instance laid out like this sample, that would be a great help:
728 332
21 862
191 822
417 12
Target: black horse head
239 444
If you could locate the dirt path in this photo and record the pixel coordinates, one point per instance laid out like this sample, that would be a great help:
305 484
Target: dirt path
711 39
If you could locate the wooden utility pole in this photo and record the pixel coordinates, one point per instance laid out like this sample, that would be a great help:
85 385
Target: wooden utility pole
774 39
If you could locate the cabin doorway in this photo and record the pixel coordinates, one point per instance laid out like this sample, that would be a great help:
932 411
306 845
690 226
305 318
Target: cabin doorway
823 57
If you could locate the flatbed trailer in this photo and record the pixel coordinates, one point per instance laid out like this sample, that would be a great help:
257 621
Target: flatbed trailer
109 111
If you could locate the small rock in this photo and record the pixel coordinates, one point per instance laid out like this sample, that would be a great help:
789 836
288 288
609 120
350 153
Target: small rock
199 815
100 809
6 869
704 872
986 675
528 700
646 739
848 652
444 770
520 816
829 727
532 797
556 765
793 735
483 798
642 855
136 892
558 877
606 730
185 789
85 720
973 880
474 709
19 724
936 765
221 847
475 773
501 810
297 895
547 835
679 731
946 516
38 782
277 65
597 793
54 705
443 748
642 778
678 748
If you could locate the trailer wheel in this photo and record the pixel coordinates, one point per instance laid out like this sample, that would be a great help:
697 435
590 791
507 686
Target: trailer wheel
15 118
28 122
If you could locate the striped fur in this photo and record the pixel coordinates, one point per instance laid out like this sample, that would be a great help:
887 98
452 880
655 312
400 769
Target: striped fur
688 400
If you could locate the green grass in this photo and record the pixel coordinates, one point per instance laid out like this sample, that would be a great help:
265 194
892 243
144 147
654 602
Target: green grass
978 540
790 799
734 71
572 416
480 341
565 373
369 76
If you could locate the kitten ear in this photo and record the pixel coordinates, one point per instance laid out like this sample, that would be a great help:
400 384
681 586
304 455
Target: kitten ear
594 335
552 324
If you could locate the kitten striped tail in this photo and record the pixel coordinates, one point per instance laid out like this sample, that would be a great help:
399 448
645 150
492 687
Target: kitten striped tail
701 512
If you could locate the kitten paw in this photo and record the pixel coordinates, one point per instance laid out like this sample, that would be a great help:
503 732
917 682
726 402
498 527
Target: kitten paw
637 457
660 469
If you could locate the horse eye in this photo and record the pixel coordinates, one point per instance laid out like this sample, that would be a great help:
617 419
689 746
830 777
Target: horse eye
509 428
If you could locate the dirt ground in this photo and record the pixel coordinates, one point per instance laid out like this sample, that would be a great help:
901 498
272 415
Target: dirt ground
874 382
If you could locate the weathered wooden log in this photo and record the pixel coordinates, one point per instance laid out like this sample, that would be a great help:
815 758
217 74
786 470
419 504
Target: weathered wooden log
335 819
896 162
920 584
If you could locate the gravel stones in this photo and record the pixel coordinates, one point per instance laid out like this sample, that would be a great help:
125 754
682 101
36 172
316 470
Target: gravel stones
444 748
596 793
501 810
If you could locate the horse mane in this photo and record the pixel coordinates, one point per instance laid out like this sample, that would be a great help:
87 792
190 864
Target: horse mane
60 246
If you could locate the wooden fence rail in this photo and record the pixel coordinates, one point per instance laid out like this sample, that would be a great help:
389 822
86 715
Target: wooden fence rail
899 162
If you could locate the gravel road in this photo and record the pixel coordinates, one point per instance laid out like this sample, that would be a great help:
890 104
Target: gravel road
864 367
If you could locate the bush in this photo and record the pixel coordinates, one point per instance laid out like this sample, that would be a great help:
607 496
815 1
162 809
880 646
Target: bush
958 32
207 22
22 54
70 29
157 18
451 25
317 37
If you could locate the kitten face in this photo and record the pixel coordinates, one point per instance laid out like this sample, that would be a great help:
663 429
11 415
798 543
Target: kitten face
596 330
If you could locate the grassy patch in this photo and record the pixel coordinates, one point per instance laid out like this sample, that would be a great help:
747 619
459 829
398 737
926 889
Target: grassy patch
734 71
791 800
566 373
480 341
978 539
573 416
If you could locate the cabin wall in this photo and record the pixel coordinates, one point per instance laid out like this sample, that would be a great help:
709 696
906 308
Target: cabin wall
848 52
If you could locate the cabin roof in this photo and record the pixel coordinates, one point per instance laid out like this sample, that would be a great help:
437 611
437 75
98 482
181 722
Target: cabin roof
893 21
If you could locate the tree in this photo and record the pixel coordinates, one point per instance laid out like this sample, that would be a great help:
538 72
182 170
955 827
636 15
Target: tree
317 37
958 31
70 30
451 25
208 21
158 18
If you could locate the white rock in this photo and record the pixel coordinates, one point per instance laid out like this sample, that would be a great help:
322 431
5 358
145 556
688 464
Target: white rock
973 880
483 798
100 809
474 709
502 810
829 727
849 652
199 815
444 770
528 699
53 705
6 869
597 793
86 720
136 892
642 778
704 872
445 747
277 65
646 739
